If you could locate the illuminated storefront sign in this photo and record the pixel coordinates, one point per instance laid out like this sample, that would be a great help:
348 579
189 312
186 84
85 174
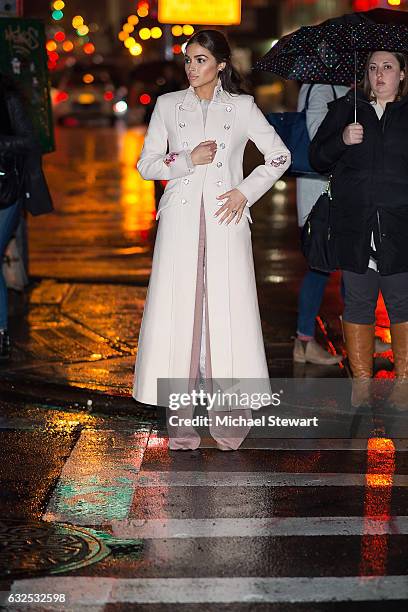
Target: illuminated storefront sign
205 12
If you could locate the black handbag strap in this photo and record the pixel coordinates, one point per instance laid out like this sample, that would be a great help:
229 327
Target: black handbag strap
308 96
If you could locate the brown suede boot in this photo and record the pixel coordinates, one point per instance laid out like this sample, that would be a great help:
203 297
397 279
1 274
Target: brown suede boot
399 338
359 341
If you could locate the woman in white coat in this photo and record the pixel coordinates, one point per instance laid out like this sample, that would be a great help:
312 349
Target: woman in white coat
201 318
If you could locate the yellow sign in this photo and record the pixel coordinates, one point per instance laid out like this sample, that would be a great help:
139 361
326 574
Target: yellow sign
201 12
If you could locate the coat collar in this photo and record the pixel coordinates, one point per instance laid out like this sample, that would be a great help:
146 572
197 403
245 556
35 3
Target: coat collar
191 99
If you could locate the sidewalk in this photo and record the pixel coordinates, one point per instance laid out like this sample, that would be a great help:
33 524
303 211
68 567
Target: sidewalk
76 341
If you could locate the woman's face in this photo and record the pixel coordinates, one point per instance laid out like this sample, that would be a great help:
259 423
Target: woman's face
201 66
385 75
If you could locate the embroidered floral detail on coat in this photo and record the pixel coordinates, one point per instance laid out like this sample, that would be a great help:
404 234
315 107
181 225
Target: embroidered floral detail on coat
170 158
279 161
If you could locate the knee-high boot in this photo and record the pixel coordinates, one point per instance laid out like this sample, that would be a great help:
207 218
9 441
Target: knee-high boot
359 341
399 340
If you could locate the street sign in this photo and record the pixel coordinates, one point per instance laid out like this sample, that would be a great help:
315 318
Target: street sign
23 57
200 12
11 8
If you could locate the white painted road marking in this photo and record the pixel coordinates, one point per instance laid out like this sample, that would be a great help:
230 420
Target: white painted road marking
97 591
258 527
258 479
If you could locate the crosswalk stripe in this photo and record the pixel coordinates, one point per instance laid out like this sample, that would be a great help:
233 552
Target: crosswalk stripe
258 527
98 480
96 591
258 479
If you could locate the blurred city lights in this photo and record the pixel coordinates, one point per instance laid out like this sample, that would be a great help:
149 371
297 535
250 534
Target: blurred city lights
88 78
128 27
136 49
394 2
77 21
82 30
68 46
61 96
58 5
51 45
188 30
108 95
51 65
120 107
143 11
177 30
57 15
144 33
156 32
280 185
53 56
89 48
59 36
133 19
130 42
145 99
123 36
177 49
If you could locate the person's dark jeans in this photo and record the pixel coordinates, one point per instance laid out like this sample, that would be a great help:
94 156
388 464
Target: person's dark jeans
310 299
9 218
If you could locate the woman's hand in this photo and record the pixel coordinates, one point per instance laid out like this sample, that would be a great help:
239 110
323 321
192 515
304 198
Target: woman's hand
233 208
353 134
204 153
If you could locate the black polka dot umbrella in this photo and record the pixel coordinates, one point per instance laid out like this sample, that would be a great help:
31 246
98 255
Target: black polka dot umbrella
332 52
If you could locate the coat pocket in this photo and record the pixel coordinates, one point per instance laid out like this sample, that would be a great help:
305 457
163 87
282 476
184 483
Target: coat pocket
165 202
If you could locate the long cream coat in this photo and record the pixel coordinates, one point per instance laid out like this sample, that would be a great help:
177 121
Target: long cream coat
176 127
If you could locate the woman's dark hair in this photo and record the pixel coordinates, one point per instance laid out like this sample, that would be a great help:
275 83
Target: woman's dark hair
403 85
216 43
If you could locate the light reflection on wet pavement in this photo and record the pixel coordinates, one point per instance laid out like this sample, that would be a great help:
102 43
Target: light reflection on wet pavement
300 525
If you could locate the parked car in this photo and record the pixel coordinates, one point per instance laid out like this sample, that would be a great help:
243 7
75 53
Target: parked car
88 93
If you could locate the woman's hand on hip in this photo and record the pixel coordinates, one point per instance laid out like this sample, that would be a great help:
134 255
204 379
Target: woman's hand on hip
204 153
233 208
353 134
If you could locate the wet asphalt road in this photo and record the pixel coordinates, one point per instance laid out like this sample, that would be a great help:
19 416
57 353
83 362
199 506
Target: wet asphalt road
95 508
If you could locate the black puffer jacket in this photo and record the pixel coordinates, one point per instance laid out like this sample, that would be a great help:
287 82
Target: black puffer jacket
369 182
17 136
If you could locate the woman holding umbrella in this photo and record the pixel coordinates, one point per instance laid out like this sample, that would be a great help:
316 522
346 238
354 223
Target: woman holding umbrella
369 181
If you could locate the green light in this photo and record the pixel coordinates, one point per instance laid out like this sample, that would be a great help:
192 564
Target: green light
57 15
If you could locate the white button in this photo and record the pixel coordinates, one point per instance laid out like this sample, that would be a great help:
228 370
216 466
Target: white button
219 164
222 145
183 201
228 109
185 145
180 106
226 126
182 124
219 183
186 181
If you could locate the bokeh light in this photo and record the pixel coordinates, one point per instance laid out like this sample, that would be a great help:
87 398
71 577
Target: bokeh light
57 15
123 36
82 30
89 48
58 5
133 19
156 32
128 27
59 36
130 42
177 30
144 33
77 21
68 46
177 49
188 30
88 78
136 49
51 45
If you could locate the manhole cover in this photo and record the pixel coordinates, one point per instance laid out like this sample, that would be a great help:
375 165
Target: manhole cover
39 548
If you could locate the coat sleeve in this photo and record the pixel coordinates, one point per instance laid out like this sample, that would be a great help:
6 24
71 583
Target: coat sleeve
23 139
328 146
276 155
155 162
